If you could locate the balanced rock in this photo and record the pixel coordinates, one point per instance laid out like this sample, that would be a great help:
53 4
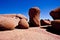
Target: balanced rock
45 22
23 24
8 22
56 24
55 13
34 17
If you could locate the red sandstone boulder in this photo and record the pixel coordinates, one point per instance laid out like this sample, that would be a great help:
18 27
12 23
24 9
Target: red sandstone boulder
55 13
34 17
45 22
21 16
56 24
23 24
8 15
14 15
8 22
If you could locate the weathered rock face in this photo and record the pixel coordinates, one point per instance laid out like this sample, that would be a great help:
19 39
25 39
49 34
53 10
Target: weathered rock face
34 15
55 13
13 20
56 24
8 22
20 16
23 24
45 22
8 15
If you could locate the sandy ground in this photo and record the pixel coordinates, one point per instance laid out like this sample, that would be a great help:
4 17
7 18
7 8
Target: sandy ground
33 33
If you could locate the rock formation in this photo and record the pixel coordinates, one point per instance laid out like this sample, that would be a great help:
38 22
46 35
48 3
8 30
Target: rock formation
14 19
8 22
56 16
45 22
56 24
55 13
23 24
21 16
14 15
34 15
8 15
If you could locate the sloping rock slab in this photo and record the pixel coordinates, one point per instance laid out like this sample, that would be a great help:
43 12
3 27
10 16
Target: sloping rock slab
35 33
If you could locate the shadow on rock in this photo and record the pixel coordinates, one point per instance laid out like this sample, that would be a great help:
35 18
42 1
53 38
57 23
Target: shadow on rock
4 29
52 30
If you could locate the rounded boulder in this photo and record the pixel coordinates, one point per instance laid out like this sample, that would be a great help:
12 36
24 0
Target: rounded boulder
23 24
8 22
55 14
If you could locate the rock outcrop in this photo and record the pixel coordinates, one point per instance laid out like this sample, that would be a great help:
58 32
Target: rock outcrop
56 24
56 16
8 22
10 17
23 24
55 13
45 22
20 16
34 17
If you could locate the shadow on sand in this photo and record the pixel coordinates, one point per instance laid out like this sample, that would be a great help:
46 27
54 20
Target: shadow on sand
52 30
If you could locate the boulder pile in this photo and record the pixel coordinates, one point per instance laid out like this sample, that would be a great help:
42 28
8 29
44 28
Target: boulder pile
55 14
10 21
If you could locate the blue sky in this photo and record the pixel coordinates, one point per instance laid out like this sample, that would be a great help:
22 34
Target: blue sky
23 6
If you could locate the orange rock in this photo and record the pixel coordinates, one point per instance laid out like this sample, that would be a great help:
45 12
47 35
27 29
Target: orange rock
21 16
14 15
23 24
8 22
55 13
45 22
8 15
56 24
34 17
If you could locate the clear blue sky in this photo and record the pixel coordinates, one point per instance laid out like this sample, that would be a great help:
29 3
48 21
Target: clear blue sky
22 6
